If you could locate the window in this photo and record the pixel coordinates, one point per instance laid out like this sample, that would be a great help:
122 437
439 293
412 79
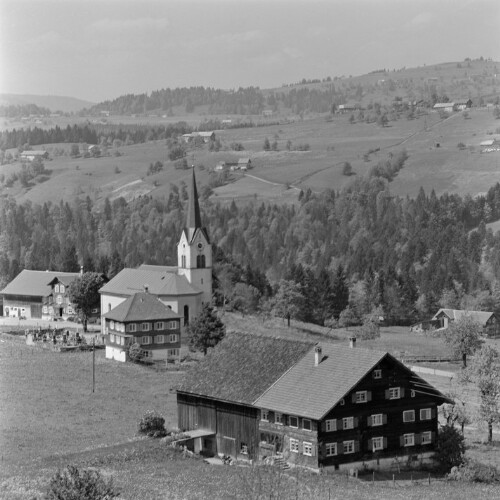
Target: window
173 325
425 414
331 425
377 443
394 393
148 354
111 337
361 397
331 449
278 418
61 288
342 402
183 261
59 299
160 339
264 415
293 422
131 327
348 447
56 289
377 373
426 437
112 325
377 419
160 325
172 352
348 423
109 307
145 327
244 449
70 310
120 327
173 337
294 445
45 309
409 416
409 440
306 424
307 448
412 393
145 340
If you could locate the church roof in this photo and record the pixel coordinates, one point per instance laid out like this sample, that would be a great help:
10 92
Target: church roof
129 281
193 219
141 307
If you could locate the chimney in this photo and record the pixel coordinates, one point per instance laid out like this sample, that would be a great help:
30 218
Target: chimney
352 342
146 288
317 355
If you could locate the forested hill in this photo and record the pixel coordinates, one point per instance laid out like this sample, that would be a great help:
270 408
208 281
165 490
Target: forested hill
428 84
406 255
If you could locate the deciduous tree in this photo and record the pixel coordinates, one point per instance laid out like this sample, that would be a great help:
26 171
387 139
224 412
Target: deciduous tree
84 294
463 337
288 300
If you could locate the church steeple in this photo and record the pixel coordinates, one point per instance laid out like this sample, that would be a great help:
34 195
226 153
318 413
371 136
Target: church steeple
193 220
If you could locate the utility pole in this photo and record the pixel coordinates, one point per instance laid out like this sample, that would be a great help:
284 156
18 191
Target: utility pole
93 364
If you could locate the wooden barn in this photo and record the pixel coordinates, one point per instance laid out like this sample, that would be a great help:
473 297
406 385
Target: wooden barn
325 405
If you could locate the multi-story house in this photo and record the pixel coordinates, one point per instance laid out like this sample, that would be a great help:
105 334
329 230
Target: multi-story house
324 405
144 320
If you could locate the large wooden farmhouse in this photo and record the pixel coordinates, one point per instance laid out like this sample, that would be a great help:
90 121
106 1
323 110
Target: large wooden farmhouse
185 287
323 405
144 320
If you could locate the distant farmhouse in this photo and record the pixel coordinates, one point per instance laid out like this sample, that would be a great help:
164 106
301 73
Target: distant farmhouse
449 107
206 136
323 405
144 320
34 154
490 321
183 288
41 295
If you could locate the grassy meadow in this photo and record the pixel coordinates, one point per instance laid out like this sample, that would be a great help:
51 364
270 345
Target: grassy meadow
278 176
50 418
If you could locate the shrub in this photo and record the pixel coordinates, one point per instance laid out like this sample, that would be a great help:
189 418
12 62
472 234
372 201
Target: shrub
475 472
450 447
347 169
135 353
461 145
152 424
75 484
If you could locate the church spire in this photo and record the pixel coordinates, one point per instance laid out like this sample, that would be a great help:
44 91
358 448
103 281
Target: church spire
193 220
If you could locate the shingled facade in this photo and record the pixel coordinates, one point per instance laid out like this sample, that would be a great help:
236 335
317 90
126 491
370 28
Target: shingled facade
324 405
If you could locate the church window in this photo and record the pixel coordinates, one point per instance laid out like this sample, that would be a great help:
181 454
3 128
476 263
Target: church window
183 261
200 261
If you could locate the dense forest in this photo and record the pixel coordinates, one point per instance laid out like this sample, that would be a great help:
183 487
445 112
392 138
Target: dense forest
361 246
16 110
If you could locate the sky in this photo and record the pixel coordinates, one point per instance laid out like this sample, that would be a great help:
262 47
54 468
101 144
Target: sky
98 50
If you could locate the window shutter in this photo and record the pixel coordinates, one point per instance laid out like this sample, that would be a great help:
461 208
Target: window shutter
402 391
356 446
387 394
301 448
355 421
369 445
433 412
384 418
340 448
353 397
401 440
418 438
385 443
323 426
313 450
368 395
369 421
433 437
339 424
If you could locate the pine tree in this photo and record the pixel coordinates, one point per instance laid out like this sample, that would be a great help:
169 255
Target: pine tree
206 331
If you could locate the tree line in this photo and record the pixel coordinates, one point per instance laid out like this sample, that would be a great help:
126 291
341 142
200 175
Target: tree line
360 249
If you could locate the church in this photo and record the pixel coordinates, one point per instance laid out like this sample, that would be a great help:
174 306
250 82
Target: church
183 288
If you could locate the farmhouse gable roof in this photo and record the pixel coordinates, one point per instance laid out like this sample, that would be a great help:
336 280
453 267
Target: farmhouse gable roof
242 367
141 307
482 317
36 283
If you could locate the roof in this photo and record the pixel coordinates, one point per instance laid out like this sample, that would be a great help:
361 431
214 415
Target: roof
141 307
36 283
129 281
163 269
443 105
489 142
34 152
456 314
242 367
312 391
307 390
244 160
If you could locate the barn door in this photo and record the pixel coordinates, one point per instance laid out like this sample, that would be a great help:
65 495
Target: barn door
227 446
